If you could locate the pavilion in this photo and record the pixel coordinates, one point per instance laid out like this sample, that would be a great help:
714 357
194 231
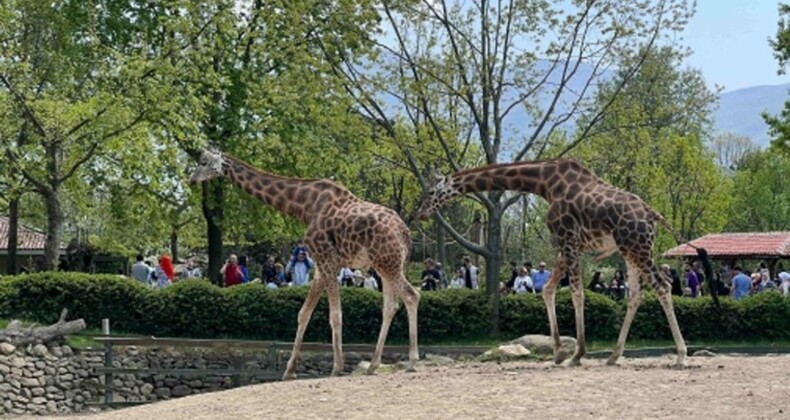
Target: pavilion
735 248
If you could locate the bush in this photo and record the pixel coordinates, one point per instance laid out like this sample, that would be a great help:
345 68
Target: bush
198 309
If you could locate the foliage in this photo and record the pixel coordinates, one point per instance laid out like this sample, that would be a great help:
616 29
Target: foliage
779 125
657 125
761 202
198 309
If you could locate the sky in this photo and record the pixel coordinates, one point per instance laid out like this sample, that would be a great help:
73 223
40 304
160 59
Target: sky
730 42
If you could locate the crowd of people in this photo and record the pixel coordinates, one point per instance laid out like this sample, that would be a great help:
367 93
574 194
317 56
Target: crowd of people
296 271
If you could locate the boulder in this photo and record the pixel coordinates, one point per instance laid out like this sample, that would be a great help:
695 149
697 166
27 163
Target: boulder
7 348
506 352
704 353
544 344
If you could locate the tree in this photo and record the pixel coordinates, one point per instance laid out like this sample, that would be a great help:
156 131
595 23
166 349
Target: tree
83 79
761 199
779 125
657 125
476 83
730 148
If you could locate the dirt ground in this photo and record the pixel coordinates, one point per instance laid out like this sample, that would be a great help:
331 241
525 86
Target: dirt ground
724 387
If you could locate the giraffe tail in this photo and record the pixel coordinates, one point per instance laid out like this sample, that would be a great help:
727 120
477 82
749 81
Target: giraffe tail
702 254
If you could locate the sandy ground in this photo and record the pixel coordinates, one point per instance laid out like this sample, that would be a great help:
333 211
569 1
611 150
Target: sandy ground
725 387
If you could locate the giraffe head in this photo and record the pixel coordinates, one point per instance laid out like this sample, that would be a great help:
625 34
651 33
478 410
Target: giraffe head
439 190
209 166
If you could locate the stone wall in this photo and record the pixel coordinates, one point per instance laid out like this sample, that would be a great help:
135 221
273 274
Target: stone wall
56 379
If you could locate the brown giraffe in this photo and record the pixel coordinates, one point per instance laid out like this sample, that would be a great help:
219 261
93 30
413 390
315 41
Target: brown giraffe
585 213
341 230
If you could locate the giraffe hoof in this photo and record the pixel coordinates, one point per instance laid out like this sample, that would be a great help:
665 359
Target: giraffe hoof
288 376
410 369
337 372
612 360
560 357
575 362
370 372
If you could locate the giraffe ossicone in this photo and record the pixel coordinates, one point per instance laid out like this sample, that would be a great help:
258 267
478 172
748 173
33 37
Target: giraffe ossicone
341 230
585 214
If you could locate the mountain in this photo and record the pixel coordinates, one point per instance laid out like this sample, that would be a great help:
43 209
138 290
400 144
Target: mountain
739 110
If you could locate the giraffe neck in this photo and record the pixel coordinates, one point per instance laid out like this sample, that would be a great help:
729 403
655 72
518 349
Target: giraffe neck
293 196
538 177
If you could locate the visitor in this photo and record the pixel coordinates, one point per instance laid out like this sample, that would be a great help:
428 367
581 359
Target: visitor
141 271
245 273
231 272
430 275
523 282
540 277
370 281
595 284
692 281
164 273
458 279
471 273
269 272
784 282
299 267
741 284
191 270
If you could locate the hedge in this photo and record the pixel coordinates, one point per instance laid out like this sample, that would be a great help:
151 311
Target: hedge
201 310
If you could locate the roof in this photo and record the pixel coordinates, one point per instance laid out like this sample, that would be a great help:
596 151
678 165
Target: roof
752 244
27 239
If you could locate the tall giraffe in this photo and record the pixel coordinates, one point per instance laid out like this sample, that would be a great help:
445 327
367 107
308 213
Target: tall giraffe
585 213
341 230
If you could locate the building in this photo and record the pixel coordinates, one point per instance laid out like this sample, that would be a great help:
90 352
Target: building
30 246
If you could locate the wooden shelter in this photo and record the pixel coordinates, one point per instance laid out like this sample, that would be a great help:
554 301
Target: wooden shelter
731 248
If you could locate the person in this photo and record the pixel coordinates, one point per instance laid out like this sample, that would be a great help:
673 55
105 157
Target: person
595 284
141 271
430 275
442 276
231 273
245 273
523 282
692 281
784 279
677 286
280 280
540 277
370 281
269 271
345 277
514 272
470 274
191 270
458 279
164 273
741 284
299 267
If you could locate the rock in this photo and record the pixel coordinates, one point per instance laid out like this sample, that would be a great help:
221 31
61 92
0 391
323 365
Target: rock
38 392
7 348
146 389
4 369
171 382
704 353
29 382
56 351
17 362
163 392
436 360
40 350
66 350
52 407
181 391
506 352
544 344
39 400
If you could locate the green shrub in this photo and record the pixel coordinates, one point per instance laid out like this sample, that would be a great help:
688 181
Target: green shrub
201 310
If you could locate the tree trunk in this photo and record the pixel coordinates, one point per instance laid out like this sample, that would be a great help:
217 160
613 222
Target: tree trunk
13 235
19 336
441 247
493 265
212 199
174 244
54 227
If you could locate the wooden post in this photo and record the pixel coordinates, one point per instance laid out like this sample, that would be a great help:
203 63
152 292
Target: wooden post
108 376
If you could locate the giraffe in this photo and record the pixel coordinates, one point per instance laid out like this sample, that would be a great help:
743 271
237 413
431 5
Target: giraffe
341 230
585 214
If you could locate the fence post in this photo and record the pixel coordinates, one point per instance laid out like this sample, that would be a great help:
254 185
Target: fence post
108 376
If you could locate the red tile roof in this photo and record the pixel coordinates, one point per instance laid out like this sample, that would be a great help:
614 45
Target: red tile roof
757 244
28 239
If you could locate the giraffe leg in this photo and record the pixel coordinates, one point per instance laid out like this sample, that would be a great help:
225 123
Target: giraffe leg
577 294
663 287
634 300
411 298
549 292
388 310
336 321
304 318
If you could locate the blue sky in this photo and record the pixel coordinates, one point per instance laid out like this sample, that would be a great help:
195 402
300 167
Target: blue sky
730 42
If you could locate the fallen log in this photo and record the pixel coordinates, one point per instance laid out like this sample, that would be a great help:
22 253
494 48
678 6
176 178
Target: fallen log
17 335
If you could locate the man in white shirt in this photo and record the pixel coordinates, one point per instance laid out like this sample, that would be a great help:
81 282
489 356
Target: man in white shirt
784 279
141 271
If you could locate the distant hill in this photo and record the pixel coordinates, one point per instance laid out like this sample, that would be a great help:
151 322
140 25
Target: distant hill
739 111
